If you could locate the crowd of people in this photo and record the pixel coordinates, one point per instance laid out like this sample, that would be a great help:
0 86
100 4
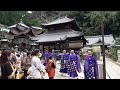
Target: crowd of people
26 64
71 64
30 66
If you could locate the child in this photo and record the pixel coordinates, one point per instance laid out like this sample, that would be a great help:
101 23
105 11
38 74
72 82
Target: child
51 65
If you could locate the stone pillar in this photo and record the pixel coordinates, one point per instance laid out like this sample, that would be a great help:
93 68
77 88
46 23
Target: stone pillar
100 69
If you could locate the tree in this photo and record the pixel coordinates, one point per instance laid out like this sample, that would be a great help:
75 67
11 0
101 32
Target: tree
89 21
12 17
117 41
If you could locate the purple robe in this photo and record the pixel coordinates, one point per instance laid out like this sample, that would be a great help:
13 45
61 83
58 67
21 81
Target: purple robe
74 65
46 57
64 62
91 68
65 56
54 55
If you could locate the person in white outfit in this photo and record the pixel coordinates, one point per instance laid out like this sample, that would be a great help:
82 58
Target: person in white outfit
36 65
29 73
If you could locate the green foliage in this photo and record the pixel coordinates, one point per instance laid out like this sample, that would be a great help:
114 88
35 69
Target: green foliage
118 41
95 54
12 17
89 21
113 53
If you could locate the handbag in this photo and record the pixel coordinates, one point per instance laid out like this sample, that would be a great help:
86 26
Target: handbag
48 69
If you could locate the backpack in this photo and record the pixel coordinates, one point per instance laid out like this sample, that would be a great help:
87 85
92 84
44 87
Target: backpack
49 68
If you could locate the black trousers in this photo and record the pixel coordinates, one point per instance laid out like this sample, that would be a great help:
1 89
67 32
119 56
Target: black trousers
51 77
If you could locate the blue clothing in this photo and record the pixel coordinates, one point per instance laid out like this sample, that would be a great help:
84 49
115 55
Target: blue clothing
54 55
65 56
74 65
91 68
64 62
46 57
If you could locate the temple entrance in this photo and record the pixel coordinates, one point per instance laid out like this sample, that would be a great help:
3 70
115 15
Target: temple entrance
23 46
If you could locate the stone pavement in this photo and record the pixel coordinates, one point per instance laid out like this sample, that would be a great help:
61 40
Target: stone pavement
112 69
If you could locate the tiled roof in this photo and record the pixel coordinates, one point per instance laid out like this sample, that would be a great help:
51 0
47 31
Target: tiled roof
59 35
12 26
59 20
35 27
108 39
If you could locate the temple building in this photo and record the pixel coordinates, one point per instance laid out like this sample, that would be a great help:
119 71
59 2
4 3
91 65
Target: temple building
5 39
22 34
63 33
95 41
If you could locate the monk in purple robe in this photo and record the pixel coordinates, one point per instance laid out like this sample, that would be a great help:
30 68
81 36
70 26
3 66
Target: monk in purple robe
54 55
64 62
46 57
74 65
90 67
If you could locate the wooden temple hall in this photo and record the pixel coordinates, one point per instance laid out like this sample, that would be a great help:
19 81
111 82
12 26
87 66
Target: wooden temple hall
21 36
63 33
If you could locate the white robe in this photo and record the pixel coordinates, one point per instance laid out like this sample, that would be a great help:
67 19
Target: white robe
36 67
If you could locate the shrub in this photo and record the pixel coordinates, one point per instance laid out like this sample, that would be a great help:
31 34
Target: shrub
95 54
113 53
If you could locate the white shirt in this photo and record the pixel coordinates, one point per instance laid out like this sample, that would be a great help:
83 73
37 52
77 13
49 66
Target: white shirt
36 66
30 69
29 72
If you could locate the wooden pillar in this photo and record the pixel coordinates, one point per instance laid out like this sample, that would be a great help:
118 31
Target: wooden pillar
59 47
48 48
43 48
56 46
67 45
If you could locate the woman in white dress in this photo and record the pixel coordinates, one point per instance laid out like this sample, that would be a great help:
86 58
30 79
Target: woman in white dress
36 65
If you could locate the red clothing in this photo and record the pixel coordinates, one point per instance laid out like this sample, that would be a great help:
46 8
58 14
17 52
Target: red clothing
52 71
